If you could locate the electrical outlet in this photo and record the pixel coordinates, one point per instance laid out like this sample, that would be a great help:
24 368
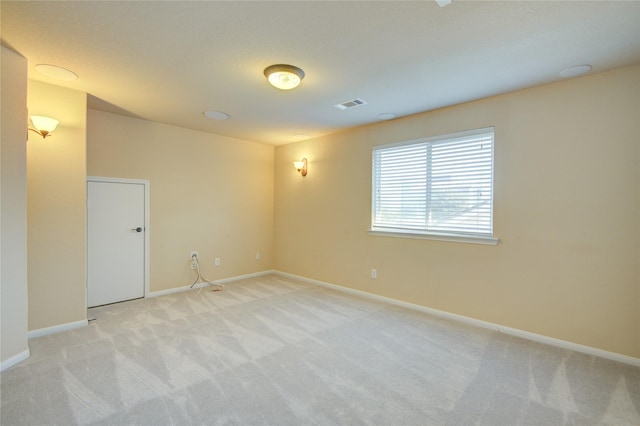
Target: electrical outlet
193 264
193 253
217 261
374 274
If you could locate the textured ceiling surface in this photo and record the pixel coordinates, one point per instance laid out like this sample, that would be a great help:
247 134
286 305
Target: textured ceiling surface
169 61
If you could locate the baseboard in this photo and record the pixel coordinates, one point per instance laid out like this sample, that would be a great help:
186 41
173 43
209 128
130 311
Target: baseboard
56 328
199 285
7 363
479 323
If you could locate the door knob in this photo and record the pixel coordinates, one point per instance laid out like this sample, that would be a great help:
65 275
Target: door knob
138 229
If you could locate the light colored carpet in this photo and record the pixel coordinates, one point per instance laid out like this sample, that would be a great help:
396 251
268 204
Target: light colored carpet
272 350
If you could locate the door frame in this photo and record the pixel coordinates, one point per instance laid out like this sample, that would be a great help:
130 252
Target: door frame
147 223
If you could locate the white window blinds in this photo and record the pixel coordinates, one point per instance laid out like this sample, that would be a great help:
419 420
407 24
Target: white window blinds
441 185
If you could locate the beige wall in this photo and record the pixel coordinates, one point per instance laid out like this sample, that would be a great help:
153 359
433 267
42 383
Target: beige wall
56 208
209 194
567 209
567 199
13 211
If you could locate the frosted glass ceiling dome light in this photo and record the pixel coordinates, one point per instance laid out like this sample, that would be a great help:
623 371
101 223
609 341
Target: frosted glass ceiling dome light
284 77
44 126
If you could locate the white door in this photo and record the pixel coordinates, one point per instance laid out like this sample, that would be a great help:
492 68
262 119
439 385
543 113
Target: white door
115 242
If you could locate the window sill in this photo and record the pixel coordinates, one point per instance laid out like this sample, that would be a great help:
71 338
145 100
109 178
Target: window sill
470 239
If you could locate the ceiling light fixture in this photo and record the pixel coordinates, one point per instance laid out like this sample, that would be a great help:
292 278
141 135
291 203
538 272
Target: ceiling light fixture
44 126
284 77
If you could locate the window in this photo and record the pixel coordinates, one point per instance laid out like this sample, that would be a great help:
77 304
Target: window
440 188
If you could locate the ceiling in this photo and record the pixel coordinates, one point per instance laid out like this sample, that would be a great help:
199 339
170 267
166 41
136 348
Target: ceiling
169 61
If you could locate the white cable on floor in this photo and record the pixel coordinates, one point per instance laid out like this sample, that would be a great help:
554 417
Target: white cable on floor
201 278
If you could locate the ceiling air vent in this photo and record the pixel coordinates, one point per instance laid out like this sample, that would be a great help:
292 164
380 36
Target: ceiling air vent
351 104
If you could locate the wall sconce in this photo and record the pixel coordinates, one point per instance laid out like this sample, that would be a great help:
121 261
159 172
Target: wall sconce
44 126
301 166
